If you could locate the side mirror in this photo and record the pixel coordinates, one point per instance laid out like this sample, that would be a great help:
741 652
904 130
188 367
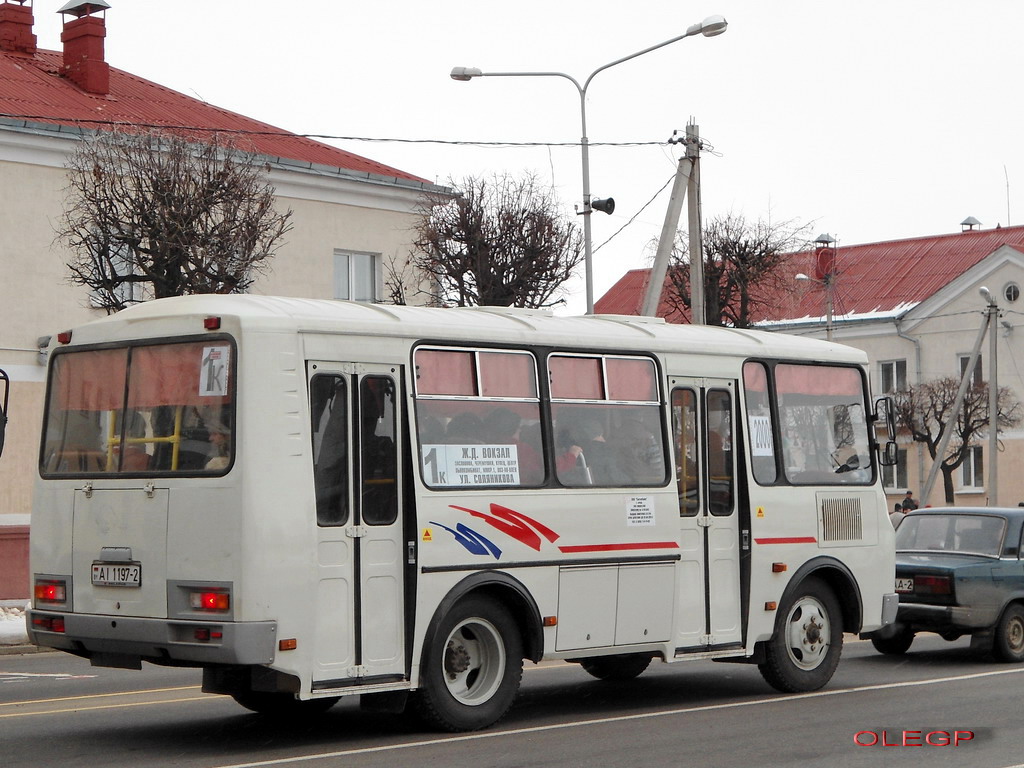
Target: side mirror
3 408
885 413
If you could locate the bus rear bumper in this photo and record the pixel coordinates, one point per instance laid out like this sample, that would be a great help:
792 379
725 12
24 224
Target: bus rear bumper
126 641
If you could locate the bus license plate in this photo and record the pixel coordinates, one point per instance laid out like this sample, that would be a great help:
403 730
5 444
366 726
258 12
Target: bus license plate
904 585
117 574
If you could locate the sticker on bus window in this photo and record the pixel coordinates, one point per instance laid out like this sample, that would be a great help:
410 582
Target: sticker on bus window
640 510
470 465
761 436
213 371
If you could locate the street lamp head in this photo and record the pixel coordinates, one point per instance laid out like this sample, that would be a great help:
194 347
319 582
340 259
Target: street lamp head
465 73
713 26
801 277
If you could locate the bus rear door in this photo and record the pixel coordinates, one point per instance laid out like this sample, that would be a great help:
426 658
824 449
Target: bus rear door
360 601
703 419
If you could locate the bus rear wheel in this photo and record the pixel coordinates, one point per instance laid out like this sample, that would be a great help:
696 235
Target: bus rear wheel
283 705
808 640
471 668
620 667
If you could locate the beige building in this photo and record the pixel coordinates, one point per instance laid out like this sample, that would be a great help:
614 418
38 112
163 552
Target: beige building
351 215
914 306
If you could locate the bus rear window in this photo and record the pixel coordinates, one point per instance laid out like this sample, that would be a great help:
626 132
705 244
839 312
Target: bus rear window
141 409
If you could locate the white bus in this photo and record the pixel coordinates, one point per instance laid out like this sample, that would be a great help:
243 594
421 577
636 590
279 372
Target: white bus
313 499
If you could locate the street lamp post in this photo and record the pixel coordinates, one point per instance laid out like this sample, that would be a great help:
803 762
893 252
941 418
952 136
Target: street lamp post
710 27
827 269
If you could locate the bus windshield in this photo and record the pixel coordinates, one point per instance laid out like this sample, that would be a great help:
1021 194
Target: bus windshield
140 409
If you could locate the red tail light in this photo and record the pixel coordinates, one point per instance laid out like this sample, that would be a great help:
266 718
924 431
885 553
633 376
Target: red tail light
50 592
932 585
48 623
219 602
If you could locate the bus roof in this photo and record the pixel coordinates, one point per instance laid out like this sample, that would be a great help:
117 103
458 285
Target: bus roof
466 325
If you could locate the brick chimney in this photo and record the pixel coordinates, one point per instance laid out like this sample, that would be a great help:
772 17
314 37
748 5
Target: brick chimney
16 28
83 46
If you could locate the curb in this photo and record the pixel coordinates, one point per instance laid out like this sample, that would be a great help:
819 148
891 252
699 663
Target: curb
18 650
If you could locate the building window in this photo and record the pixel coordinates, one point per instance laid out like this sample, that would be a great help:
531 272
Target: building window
895 477
972 471
963 360
893 374
357 276
1011 292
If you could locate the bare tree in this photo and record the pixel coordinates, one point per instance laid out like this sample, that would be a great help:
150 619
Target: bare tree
158 214
743 268
926 412
499 241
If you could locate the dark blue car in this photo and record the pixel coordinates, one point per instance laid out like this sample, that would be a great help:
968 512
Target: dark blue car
959 571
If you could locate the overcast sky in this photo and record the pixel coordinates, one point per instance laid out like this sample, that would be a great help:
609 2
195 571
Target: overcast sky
872 120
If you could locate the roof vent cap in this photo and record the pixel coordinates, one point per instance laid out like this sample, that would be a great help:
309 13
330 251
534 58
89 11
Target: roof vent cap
969 224
82 8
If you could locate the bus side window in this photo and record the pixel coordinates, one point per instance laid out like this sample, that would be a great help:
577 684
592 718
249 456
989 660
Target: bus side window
378 453
719 456
684 433
329 410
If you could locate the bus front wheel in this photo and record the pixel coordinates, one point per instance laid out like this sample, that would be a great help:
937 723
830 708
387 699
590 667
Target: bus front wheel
808 640
472 667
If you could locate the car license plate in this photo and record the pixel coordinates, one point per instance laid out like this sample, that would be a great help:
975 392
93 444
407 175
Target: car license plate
117 574
904 585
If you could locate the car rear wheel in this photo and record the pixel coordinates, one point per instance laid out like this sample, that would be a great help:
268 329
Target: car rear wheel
1008 644
895 645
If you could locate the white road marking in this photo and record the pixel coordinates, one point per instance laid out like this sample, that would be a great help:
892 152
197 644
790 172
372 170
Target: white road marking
623 719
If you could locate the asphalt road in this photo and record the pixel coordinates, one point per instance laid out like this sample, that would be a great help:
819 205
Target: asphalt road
56 710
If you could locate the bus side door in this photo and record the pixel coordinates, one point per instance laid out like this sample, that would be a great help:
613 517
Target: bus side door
360 608
703 423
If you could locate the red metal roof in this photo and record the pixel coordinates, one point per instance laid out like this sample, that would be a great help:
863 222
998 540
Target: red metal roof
32 89
875 278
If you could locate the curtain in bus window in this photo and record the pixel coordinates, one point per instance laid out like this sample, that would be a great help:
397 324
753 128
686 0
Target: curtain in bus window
823 424
378 458
180 374
576 378
631 379
720 453
445 372
504 374
684 433
760 429
86 393
329 413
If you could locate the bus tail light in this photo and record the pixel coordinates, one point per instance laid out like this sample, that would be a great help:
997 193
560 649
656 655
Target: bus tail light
211 602
50 591
48 623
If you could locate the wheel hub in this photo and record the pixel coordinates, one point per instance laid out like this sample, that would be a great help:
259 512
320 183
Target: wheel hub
456 659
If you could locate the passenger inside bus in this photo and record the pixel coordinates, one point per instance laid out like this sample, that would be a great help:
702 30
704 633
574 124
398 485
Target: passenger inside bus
504 427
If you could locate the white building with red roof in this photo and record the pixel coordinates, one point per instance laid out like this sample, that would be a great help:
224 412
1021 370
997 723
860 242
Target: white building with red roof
914 306
351 215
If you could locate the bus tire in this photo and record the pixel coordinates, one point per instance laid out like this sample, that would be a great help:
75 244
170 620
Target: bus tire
896 645
808 640
1008 643
471 667
283 705
616 668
